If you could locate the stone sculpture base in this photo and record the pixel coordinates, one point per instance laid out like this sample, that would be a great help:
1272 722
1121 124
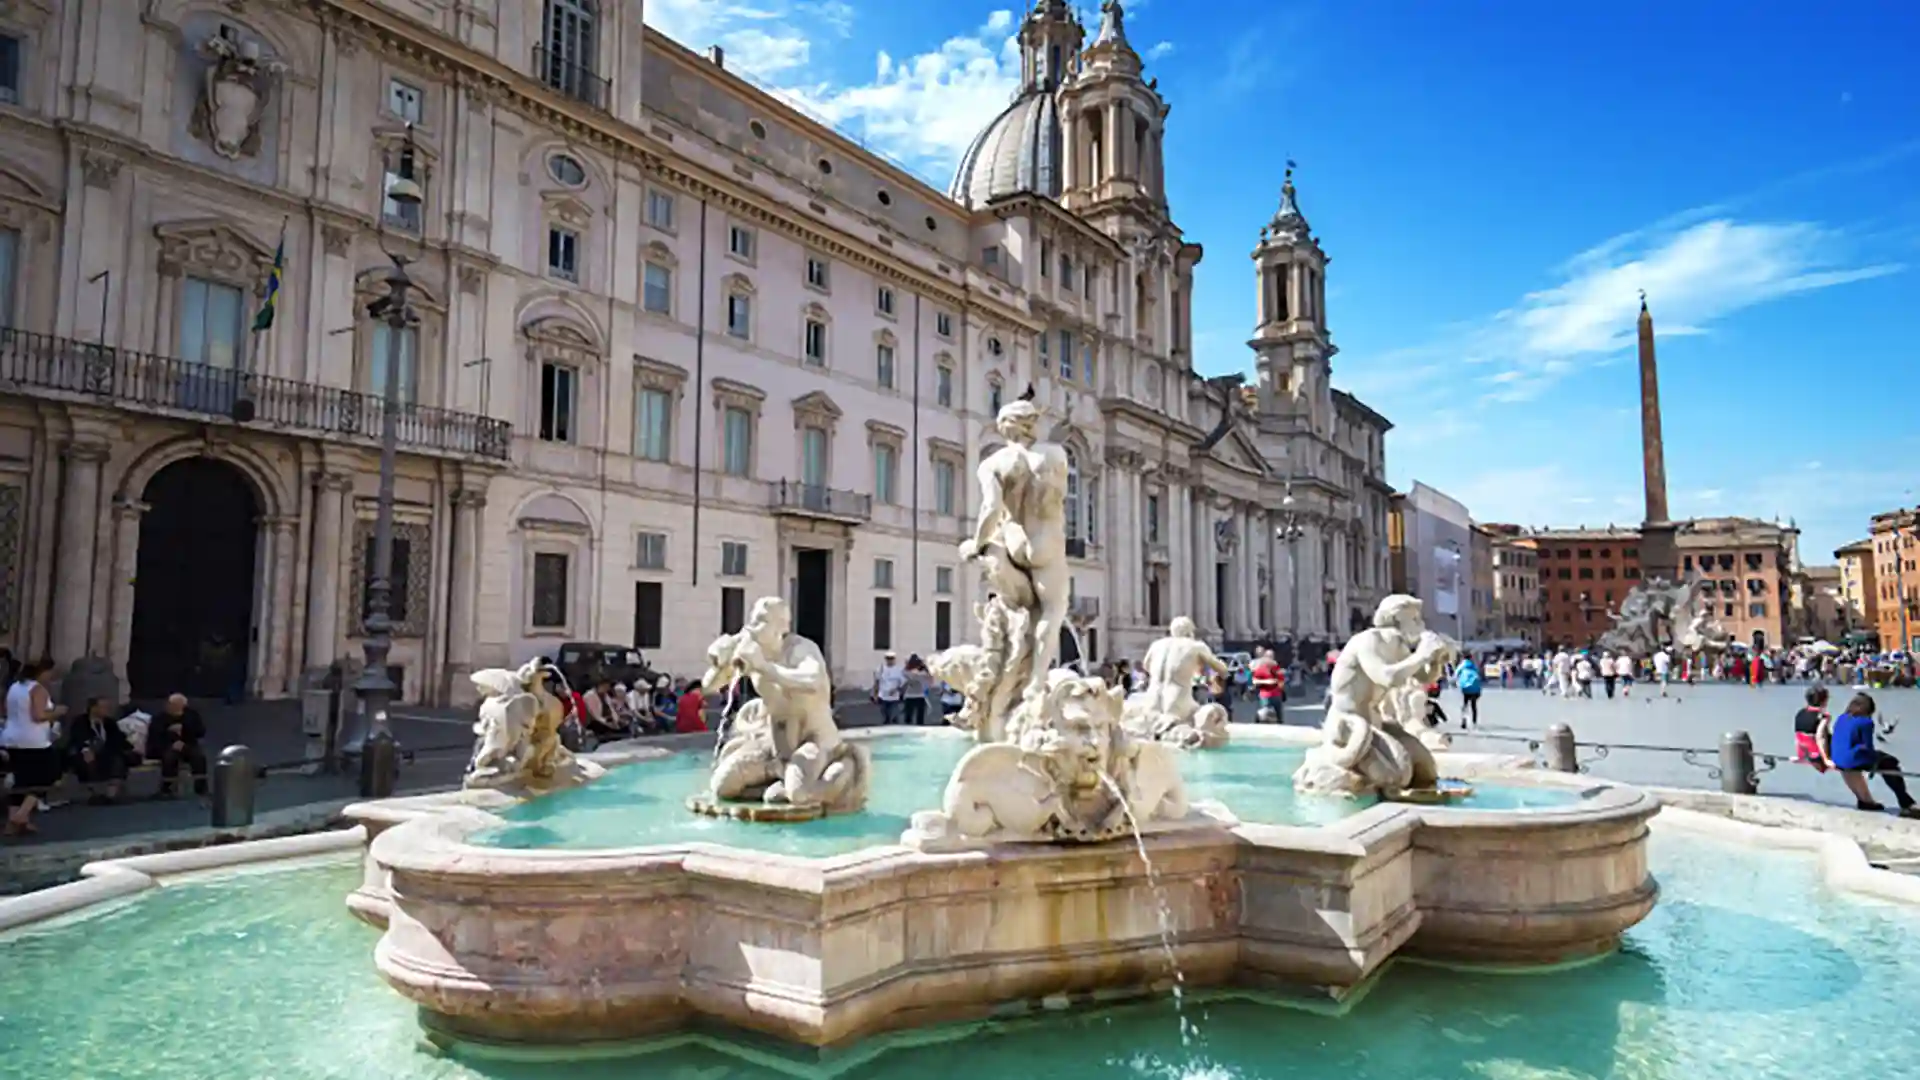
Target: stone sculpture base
932 832
522 786
753 811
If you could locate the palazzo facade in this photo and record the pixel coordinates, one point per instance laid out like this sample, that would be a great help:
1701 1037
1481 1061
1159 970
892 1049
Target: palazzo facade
679 346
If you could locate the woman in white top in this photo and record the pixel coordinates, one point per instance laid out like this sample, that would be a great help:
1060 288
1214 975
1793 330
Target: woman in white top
27 740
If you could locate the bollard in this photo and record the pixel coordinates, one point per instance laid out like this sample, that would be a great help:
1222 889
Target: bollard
233 788
1562 754
379 765
1736 764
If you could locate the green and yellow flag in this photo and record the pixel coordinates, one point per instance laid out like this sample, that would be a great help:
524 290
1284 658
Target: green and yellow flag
264 319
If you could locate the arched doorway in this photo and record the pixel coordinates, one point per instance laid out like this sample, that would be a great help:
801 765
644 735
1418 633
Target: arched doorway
193 589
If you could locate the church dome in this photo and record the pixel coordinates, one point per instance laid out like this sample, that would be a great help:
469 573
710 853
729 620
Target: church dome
1018 153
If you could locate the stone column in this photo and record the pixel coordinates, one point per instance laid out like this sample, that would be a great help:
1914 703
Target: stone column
79 523
1137 497
1112 146
126 565
323 577
277 583
1249 576
1071 130
467 507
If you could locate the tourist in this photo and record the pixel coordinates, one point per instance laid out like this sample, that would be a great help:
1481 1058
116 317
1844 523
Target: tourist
1467 678
597 717
99 754
27 739
689 712
1810 728
1270 682
173 739
889 686
951 699
1562 677
1609 673
1851 750
913 692
1583 675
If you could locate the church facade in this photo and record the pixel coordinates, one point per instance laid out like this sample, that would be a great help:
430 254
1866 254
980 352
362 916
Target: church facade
678 346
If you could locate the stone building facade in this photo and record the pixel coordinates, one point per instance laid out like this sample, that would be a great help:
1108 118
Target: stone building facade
1859 589
679 346
1896 578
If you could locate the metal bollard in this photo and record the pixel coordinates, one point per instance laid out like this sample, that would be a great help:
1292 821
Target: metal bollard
1562 754
379 765
1736 764
233 788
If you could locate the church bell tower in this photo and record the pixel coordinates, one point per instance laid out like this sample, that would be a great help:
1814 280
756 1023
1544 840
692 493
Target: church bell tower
1290 338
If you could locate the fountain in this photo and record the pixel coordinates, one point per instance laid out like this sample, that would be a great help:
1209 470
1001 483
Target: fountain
1166 710
518 748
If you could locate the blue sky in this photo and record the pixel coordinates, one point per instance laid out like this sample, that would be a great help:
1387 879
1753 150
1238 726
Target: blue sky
1494 182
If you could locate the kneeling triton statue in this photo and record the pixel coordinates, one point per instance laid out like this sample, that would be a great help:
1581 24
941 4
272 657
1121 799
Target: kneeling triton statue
1365 749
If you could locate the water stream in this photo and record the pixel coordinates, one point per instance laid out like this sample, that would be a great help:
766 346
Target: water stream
1189 1031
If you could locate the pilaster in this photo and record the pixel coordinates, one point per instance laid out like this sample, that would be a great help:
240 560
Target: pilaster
323 576
127 515
79 527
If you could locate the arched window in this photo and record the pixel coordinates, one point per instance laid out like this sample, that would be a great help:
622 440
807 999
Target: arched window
1073 495
566 55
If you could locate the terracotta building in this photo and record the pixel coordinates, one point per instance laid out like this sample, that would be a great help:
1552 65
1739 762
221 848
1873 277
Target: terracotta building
1825 603
1516 582
1896 578
1748 568
1583 572
1859 589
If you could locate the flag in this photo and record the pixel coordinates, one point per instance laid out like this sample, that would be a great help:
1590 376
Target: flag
264 319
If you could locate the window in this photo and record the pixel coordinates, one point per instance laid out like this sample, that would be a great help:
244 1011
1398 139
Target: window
883 573
1606 573
990 257
1634 553
943 580
1066 354
943 386
942 624
883 300
396 580
648 607
813 456
733 609
549 590
1606 553
737 430
651 551
994 396
569 49
1046 256
210 324
883 365
1093 510
407 390
403 101
1566 574
393 212
1086 361
9 276
943 324
883 622
1686 562
656 289
815 350
1040 345
816 272
733 558
1066 270
1586 553
886 468
740 241
943 487
566 169
559 391
994 348
653 425
1153 519
660 209
1756 610
563 254
740 316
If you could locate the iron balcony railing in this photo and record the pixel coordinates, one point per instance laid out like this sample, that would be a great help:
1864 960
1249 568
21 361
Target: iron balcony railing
559 70
44 365
818 500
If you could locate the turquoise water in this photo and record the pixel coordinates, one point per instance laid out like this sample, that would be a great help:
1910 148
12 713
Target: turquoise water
645 803
1749 969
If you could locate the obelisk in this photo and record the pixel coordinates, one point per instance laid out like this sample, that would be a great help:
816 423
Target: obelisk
1658 557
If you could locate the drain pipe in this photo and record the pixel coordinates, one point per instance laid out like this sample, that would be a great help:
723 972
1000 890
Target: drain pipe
914 451
699 387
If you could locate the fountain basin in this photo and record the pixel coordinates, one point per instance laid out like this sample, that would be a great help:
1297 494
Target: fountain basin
555 946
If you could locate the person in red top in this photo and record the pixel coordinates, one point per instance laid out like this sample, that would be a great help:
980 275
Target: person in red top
687 717
1270 682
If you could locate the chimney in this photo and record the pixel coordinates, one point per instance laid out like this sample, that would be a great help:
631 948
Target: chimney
717 56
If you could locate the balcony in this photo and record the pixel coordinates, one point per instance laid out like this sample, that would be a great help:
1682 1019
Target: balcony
557 69
819 501
40 365
1083 608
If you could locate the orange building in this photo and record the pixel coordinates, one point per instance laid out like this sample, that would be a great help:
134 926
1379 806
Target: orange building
1746 568
1859 589
1896 574
1583 573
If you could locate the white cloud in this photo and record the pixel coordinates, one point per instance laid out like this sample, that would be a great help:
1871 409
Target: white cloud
1159 50
921 110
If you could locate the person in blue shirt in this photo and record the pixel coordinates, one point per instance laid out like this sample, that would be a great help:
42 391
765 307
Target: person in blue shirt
1467 678
1851 749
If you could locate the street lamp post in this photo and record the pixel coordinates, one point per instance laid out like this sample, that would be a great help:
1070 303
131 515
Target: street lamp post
378 751
1290 531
